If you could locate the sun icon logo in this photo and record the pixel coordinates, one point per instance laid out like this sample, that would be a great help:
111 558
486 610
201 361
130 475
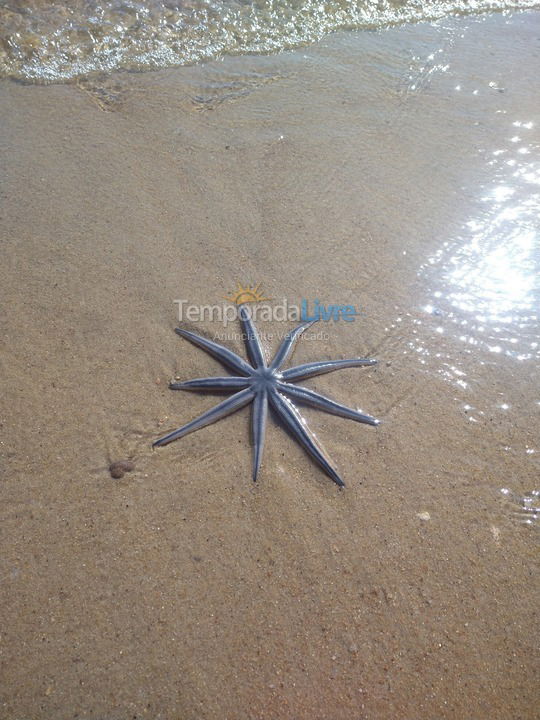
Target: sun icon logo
247 294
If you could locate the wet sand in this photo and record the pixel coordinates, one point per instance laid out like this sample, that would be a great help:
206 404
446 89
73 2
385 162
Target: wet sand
350 171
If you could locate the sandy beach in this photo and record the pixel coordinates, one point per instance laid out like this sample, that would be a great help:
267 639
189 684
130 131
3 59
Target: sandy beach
396 171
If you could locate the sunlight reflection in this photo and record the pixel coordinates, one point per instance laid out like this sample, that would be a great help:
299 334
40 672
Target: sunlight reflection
490 274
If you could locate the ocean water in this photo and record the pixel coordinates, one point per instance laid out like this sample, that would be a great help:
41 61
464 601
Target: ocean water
47 41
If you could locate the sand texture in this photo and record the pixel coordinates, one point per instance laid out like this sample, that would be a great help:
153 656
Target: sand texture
353 171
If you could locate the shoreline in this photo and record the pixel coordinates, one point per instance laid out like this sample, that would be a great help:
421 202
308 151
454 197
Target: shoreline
70 44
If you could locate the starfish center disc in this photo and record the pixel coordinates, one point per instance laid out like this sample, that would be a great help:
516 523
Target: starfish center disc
265 378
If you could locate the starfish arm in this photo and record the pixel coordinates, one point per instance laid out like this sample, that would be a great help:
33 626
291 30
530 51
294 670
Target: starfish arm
323 403
288 344
258 424
235 402
223 354
253 341
301 372
212 383
294 422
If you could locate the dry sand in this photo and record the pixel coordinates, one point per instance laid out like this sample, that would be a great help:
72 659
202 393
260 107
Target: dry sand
182 590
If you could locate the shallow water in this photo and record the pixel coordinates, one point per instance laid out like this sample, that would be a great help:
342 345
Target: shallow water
485 280
43 41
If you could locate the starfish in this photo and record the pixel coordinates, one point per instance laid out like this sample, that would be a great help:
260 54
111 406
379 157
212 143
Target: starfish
267 384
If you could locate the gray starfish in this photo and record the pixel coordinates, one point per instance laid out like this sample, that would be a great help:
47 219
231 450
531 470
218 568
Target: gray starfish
262 384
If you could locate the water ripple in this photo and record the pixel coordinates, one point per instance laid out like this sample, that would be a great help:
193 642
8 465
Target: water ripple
51 41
